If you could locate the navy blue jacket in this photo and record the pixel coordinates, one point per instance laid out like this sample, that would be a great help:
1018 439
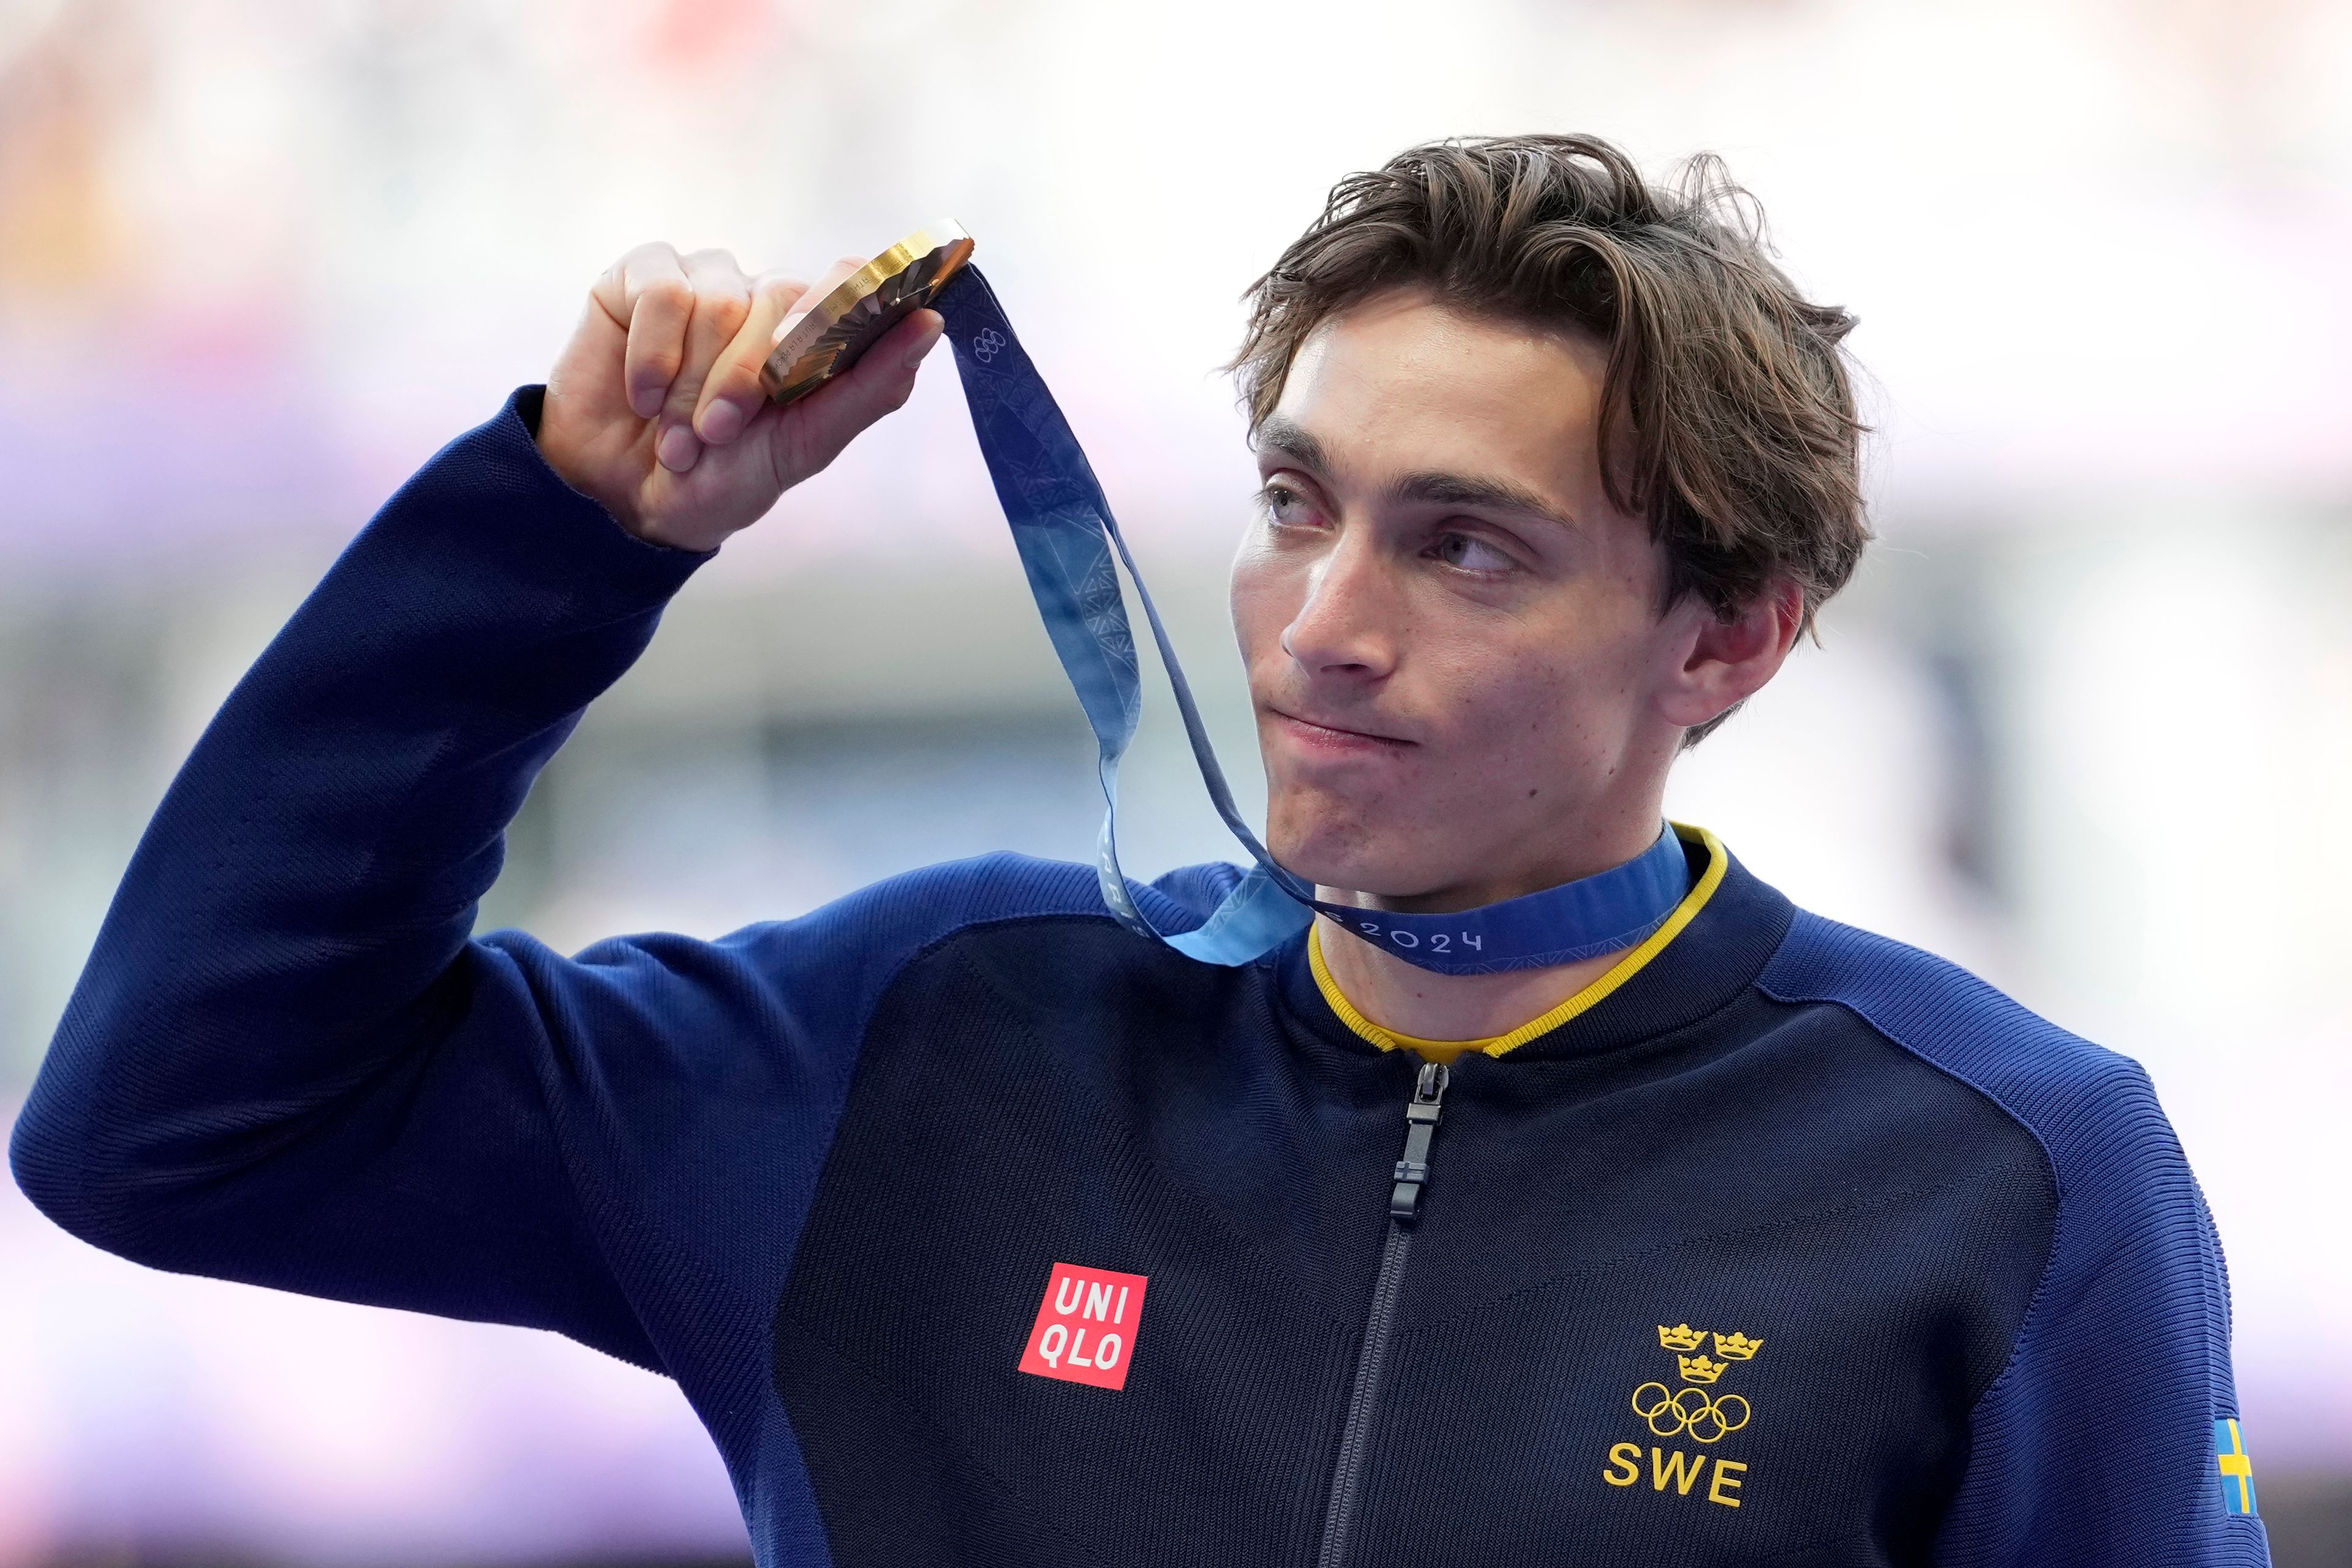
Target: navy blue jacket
980 1231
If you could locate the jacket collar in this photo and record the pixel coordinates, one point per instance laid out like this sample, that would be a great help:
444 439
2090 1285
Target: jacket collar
1707 964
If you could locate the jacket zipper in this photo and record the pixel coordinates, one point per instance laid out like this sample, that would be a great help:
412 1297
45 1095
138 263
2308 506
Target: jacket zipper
1363 1393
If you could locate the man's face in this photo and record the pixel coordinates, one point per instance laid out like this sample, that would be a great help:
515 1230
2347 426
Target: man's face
1452 637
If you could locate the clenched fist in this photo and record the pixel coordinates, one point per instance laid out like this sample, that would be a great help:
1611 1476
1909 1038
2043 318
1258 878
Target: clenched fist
655 407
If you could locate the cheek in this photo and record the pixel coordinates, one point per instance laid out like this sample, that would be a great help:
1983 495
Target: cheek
1265 600
1546 702
1516 709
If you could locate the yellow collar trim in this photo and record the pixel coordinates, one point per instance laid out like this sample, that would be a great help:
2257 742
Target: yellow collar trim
1718 860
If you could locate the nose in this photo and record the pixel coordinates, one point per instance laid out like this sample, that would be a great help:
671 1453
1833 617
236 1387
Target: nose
1346 627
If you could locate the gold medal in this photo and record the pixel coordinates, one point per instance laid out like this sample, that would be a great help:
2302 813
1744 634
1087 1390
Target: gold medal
874 298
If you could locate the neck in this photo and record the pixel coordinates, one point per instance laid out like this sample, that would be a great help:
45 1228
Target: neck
1431 1006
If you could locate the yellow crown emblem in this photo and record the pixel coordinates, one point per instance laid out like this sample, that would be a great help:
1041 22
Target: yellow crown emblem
1680 1337
1736 1347
1698 1369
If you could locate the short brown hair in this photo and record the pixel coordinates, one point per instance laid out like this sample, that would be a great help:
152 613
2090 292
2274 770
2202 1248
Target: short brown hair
1727 413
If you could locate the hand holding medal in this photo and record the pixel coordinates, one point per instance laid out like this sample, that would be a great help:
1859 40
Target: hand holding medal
657 407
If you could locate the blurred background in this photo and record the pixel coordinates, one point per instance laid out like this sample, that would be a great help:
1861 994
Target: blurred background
2083 723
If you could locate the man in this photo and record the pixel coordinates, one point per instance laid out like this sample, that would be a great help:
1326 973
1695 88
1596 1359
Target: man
980 1227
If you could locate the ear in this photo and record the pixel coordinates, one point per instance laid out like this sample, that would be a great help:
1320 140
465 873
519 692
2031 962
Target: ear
1725 660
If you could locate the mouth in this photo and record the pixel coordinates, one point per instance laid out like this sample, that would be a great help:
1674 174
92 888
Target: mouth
1336 737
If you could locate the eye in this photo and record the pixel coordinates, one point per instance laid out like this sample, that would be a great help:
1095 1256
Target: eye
1284 507
1468 552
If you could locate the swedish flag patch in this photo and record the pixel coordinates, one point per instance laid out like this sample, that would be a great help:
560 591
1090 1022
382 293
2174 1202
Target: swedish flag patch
2236 1471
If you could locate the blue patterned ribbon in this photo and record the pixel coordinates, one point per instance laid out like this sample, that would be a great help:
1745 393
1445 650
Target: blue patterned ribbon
1062 527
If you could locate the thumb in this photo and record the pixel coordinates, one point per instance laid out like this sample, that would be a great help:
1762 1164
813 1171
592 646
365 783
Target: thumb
812 432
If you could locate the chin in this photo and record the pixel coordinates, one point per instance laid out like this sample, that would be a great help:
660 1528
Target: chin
1336 847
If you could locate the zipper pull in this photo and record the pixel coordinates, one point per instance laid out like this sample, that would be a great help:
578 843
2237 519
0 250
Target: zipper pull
1419 1126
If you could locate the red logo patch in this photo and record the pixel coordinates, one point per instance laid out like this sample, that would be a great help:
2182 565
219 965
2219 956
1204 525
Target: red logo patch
1084 1331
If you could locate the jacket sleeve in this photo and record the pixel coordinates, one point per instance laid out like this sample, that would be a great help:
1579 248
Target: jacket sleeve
2112 1438
286 1062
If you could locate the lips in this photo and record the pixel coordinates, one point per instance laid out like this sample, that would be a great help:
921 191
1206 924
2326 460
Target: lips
1323 734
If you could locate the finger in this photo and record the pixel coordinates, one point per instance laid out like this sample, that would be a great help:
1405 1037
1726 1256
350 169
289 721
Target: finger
814 431
722 297
731 394
647 296
807 301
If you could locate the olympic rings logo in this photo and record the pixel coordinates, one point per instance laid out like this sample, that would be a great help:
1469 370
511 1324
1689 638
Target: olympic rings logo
1702 1422
985 344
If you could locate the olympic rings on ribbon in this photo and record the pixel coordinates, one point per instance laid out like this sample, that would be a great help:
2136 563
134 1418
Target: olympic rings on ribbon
1670 1412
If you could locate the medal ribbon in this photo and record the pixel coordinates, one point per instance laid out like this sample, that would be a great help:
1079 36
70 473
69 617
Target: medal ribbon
1063 528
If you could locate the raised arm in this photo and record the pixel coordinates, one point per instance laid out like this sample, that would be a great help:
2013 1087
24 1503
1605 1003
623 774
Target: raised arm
287 1061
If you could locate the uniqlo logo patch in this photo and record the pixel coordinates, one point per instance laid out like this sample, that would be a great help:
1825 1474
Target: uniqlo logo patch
1086 1326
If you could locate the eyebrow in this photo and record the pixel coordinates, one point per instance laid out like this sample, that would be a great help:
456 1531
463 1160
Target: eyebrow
1466 490
1287 436
1437 489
